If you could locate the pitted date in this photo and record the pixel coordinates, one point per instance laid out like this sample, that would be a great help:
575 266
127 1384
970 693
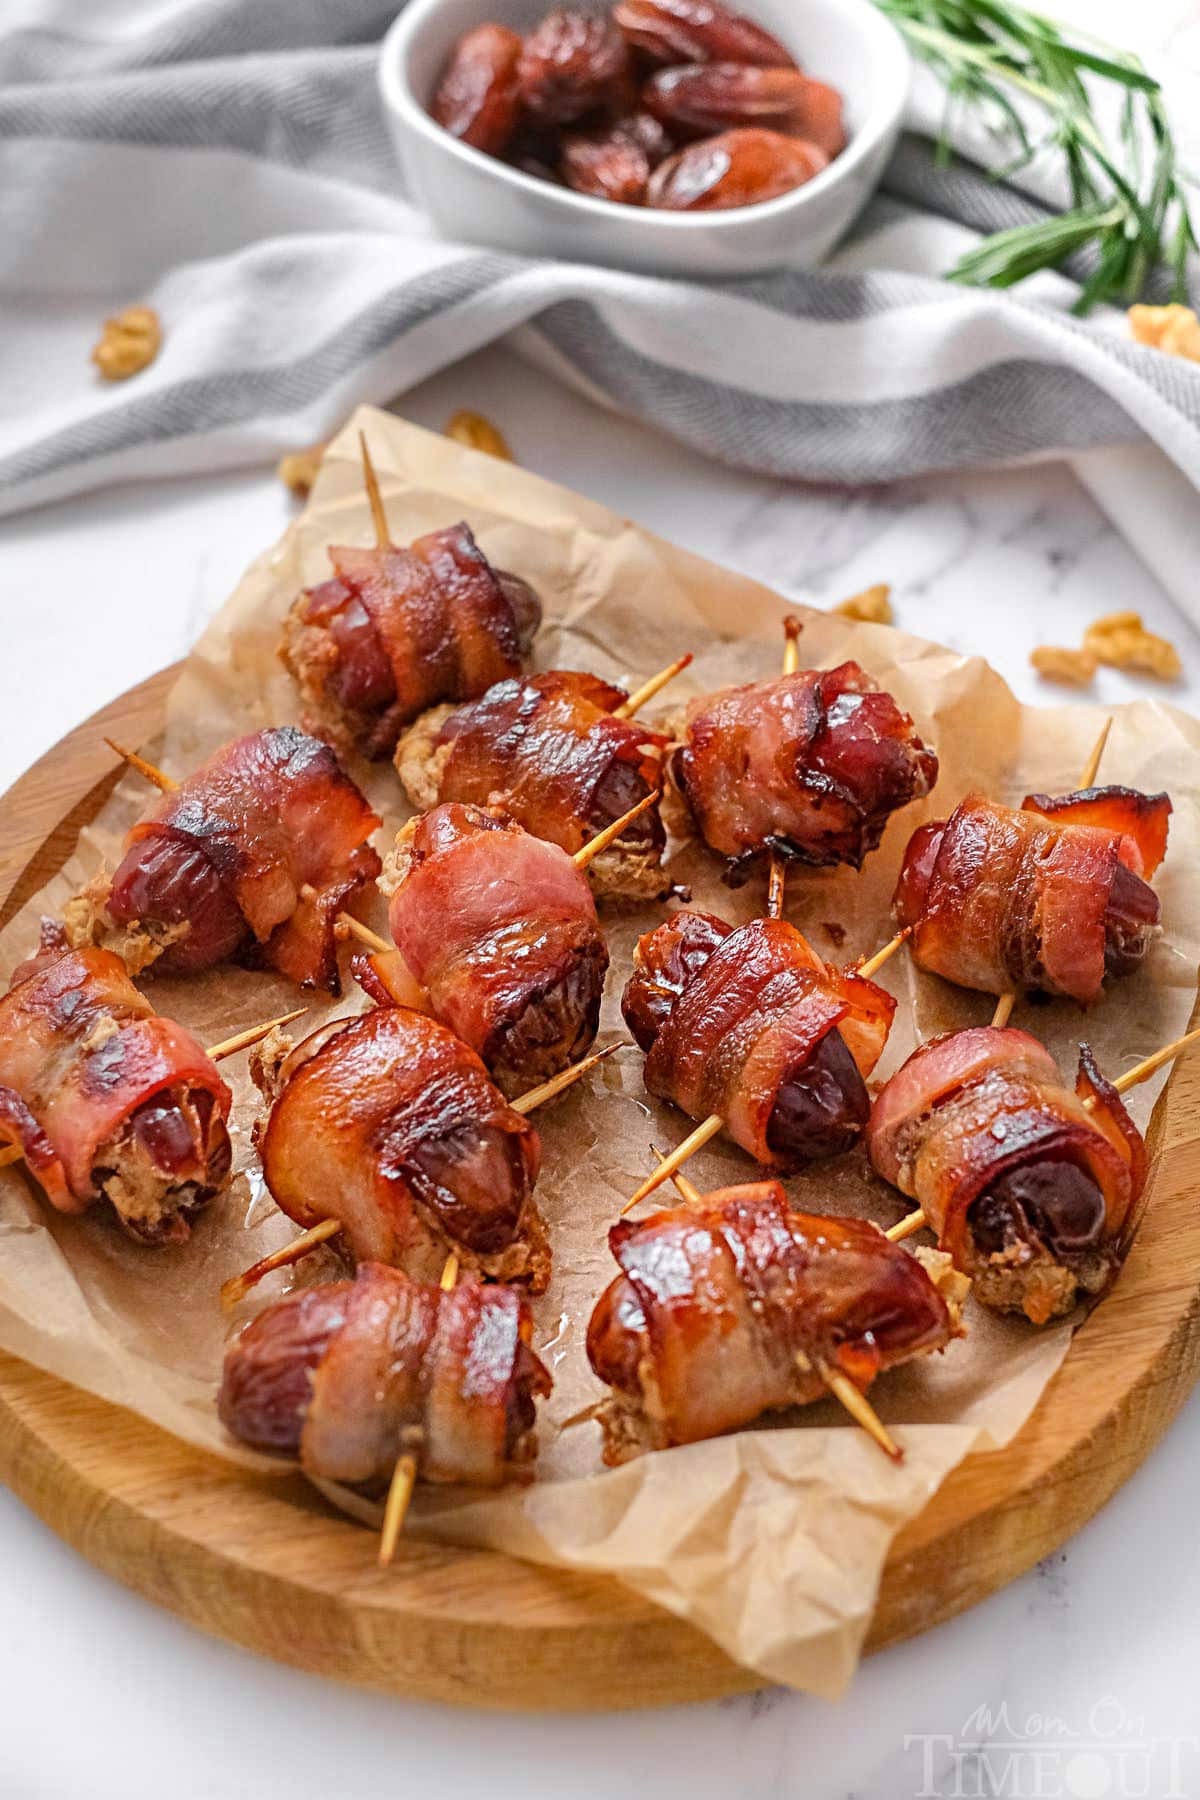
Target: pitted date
738 168
608 164
715 97
647 132
572 64
698 31
478 98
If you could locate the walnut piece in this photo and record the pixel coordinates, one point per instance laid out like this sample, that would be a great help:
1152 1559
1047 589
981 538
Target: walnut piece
478 433
1173 329
128 343
873 605
1057 663
298 470
1121 641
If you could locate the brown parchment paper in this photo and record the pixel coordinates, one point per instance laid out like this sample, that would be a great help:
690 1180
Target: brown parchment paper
773 1540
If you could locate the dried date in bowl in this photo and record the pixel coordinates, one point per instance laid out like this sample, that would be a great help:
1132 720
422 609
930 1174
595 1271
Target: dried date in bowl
572 64
708 98
698 31
610 164
477 99
738 168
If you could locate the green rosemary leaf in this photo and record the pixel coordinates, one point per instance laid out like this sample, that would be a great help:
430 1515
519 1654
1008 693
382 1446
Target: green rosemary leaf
1010 256
1010 63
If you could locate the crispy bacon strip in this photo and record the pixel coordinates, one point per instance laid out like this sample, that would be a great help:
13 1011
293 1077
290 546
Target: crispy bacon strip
746 1012
1026 1188
500 929
547 749
1005 900
352 1375
254 854
396 631
1140 820
390 1124
810 766
106 1099
727 1309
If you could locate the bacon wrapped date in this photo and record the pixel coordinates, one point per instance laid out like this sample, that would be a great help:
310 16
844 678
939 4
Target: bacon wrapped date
107 1100
351 1376
1027 1188
809 766
548 750
396 631
390 1124
1054 898
499 928
252 856
730 1308
751 1024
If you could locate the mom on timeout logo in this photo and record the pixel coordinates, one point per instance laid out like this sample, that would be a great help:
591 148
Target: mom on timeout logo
1108 1756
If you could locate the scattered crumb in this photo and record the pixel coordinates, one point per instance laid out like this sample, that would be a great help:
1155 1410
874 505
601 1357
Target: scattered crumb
1056 663
478 433
873 605
128 343
298 469
1173 329
1121 641
834 932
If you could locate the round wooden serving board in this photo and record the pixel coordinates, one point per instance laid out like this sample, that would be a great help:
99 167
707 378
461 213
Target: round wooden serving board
265 1563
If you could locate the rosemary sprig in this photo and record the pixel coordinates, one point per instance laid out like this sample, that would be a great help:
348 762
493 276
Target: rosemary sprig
1030 82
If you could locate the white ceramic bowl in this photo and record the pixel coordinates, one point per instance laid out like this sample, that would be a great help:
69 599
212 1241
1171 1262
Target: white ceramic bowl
474 198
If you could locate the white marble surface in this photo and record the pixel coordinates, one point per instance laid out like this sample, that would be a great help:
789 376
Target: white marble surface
1099 1644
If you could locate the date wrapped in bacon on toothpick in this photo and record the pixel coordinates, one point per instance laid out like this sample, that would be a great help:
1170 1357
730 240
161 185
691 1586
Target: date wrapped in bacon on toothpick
1031 1186
356 1378
104 1099
808 767
750 1031
251 857
395 631
734 1305
496 934
386 1131
561 754
1052 898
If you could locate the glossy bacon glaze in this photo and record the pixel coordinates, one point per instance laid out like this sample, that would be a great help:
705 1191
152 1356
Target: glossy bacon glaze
725 1310
106 1099
1028 1189
547 749
390 1124
395 631
254 855
1053 898
500 928
810 765
751 1024
353 1375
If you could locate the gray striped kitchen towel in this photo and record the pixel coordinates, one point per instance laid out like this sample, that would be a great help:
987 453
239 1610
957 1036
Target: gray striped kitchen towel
225 161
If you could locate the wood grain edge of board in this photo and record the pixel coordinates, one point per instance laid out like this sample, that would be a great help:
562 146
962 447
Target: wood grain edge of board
262 1562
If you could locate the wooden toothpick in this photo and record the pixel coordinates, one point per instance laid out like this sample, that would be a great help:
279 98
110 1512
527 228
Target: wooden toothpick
374 497
238 1286
146 769
565 1078
649 688
604 838
399 1495
254 1034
